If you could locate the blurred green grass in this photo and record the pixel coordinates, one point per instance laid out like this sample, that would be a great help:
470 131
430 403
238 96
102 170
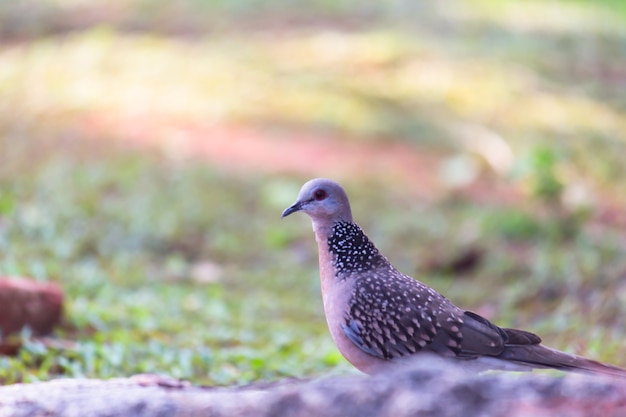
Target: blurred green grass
183 268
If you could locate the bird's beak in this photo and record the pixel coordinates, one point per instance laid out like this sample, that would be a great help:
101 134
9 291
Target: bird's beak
297 206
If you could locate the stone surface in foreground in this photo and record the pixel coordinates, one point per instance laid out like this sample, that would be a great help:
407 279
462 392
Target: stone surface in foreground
430 389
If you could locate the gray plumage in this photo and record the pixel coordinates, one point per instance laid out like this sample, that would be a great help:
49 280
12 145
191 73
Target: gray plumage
379 317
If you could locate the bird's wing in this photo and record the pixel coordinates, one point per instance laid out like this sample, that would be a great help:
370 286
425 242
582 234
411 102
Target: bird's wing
480 337
390 334
483 338
394 316
391 315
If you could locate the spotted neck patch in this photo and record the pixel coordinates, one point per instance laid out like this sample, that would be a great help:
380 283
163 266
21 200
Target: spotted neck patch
352 250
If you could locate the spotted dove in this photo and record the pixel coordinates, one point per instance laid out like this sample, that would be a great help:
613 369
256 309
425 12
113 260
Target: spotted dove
379 317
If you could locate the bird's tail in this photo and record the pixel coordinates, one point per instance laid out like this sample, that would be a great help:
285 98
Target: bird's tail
540 356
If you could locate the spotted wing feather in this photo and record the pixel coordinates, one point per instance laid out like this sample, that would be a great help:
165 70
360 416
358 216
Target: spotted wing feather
396 316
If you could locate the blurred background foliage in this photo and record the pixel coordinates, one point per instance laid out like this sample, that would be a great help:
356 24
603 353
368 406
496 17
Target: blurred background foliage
148 147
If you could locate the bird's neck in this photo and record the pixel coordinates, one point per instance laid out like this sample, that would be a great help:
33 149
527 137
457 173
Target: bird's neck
344 249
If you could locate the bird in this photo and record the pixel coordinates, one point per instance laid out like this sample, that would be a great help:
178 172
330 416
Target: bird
380 318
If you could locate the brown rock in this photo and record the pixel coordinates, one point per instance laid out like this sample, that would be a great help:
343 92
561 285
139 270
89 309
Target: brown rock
24 302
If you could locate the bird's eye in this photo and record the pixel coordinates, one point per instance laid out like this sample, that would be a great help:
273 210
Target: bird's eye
319 194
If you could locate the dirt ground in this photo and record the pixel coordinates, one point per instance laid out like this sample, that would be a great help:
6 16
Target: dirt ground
314 154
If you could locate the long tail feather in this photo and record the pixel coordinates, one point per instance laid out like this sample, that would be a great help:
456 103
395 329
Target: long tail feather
540 356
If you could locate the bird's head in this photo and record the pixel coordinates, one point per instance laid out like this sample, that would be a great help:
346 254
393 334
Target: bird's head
323 200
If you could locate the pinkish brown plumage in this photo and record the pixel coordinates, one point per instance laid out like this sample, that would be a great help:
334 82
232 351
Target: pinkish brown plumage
379 317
